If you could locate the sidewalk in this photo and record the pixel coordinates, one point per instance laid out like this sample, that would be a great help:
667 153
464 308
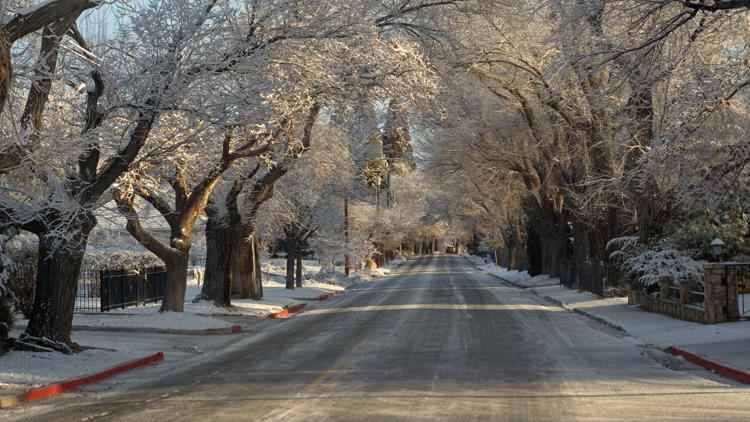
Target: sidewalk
727 343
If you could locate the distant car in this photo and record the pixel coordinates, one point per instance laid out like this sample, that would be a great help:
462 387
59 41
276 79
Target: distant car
450 249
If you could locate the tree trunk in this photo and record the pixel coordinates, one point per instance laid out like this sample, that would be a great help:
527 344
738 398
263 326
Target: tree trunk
174 294
534 252
347 259
218 283
256 287
241 266
291 248
5 71
59 265
299 267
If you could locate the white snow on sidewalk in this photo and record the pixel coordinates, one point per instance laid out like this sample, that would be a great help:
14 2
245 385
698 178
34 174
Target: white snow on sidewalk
22 371
520 278
154 320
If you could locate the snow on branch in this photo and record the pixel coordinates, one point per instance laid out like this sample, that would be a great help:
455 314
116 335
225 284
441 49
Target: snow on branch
647 264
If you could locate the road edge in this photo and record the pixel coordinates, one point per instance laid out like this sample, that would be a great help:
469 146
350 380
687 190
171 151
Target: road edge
60 387
710 365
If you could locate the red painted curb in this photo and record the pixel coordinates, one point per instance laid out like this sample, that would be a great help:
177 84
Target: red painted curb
719 368
61 387
279 314
235 329
289 310
324 297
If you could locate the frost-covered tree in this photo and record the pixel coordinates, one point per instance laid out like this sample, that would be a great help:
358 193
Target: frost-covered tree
107 100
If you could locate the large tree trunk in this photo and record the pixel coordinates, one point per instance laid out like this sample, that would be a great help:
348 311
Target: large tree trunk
174 295
59 265
242 266
291 249
245 265
5 70
299 268
218 283
256 285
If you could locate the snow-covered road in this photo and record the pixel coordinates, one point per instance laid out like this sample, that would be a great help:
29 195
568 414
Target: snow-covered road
437 341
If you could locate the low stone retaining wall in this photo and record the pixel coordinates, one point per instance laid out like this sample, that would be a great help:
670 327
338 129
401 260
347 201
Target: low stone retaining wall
668 307
721 282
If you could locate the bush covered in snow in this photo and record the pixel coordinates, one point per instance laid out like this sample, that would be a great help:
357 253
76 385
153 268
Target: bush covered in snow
125 259
17 276
646 264
18 270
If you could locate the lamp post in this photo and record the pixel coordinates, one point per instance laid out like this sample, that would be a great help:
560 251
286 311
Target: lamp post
717 247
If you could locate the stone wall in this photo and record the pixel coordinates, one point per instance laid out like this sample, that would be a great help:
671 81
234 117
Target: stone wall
663 305
720 291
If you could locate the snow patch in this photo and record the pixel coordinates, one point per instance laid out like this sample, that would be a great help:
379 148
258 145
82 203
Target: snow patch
153 320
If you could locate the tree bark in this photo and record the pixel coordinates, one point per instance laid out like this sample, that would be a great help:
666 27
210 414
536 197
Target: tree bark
299 267
174 297
218 283
5 70
57 274
291 249
242 267
534 252
347 259
256 286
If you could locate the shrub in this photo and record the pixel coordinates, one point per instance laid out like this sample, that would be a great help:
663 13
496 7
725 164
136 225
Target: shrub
646 264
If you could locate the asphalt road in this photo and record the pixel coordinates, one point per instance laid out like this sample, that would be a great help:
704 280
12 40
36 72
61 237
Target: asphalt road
438 341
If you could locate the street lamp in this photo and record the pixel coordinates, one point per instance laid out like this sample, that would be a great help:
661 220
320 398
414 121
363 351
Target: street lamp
717 246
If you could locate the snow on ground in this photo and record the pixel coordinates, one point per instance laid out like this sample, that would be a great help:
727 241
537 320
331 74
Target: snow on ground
521 278
275 295
147 318
275 298
154 320
21 371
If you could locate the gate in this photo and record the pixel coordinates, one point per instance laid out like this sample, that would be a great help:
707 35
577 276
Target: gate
124 288
738 275
104 290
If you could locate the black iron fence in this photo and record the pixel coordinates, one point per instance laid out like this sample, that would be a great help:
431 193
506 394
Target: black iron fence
104 290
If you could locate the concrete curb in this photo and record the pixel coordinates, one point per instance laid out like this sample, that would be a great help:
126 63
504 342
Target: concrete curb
719 368
63 386
582 312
